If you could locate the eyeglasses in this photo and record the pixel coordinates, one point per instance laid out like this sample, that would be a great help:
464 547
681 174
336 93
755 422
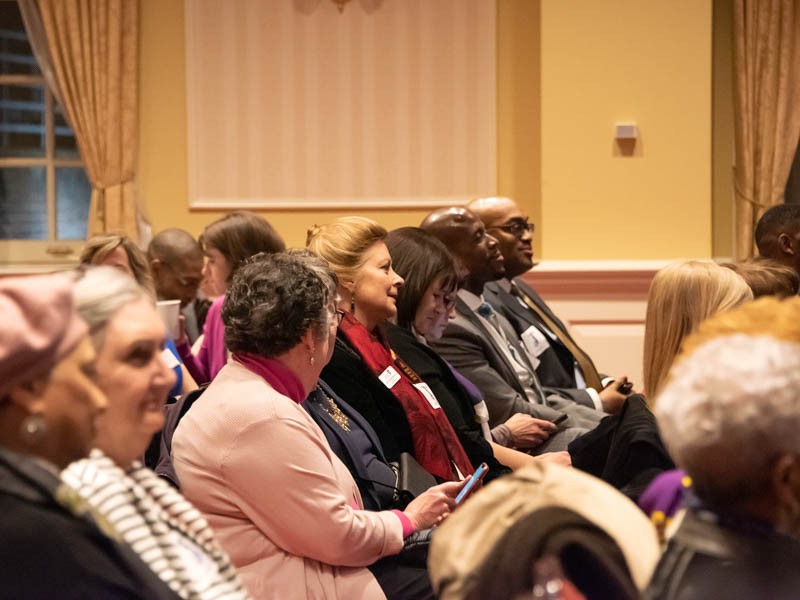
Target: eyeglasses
448 301
516 228
339 316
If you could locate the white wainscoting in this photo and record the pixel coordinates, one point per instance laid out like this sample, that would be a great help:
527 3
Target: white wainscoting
604 304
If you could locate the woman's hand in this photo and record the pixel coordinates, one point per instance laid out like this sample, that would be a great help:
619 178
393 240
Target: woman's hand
434 505
528 432
183 337
557 458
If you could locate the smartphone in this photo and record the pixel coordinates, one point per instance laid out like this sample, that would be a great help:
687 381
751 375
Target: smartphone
625 388
476 478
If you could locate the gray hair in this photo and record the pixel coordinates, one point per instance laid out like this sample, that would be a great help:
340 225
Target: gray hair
99 292
274 299
728 410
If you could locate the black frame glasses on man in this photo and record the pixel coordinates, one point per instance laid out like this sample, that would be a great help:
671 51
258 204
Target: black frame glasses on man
516 227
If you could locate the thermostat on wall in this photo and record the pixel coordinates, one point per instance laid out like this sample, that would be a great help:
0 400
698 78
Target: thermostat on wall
626 131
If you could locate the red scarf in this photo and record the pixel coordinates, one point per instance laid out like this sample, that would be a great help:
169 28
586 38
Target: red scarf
274 373
436 445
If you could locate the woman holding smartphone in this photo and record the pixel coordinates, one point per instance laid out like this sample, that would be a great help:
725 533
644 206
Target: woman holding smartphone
424 307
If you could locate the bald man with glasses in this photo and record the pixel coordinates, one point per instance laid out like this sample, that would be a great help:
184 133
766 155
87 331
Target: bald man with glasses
559 362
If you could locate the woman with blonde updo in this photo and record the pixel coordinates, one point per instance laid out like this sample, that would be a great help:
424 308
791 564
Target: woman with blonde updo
364 370
681 296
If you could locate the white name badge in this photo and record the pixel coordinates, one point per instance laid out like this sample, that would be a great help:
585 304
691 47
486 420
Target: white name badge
534 340
389 377
428 393
169 358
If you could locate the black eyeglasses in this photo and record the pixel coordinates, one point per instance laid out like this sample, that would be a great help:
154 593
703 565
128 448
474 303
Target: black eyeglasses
516 228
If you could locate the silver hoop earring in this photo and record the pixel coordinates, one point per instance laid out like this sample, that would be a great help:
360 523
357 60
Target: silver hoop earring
32 429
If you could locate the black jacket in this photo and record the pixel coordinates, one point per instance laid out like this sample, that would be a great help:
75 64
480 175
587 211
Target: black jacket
452 397
352 380
47 551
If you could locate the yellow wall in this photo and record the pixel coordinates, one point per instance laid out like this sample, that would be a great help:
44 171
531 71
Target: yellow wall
645 61
596 63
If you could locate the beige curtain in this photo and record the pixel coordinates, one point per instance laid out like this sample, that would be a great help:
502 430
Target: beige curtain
93 49
767 107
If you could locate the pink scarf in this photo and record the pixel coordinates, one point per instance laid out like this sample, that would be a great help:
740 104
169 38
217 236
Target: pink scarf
274 373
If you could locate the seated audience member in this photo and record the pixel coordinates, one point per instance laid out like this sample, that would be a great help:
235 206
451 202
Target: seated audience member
682 295
167 532
767 277
364 370
120 252
483 346
729 414
424 305
283 505
777 235
123 254
559 361
51 546
226 243
176 262
558 529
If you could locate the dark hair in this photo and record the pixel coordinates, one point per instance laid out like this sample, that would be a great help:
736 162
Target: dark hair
240 235
273 300
767 277
782 218
419 258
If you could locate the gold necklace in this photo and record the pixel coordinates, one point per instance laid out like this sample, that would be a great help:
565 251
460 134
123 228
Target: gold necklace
336 413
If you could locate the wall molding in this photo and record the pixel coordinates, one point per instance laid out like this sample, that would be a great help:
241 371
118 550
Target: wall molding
594 280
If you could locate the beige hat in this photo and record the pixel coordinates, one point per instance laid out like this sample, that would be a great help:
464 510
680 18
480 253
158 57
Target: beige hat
512 516
38 326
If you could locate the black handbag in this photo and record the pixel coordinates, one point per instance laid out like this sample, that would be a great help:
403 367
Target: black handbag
412 479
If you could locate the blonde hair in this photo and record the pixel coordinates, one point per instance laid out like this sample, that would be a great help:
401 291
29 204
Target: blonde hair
343 243
99 247
681 296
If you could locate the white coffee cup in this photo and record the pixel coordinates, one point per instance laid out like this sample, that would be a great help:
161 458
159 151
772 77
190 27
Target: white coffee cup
169 310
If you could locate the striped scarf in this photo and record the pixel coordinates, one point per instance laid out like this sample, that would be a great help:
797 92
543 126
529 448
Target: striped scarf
159 524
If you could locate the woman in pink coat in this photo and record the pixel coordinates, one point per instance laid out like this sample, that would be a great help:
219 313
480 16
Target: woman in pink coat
283 506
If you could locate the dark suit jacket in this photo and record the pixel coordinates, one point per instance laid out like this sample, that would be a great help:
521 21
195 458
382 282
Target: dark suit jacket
452 397
556 369
468 345
362 453
48 552
352 380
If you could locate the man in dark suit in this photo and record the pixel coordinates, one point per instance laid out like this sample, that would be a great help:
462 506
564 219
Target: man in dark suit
559 362
484 347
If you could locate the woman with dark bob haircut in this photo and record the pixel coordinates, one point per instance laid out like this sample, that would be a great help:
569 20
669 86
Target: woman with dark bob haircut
425 304
226 243
283 505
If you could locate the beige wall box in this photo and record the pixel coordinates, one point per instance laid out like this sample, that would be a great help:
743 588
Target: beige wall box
626 131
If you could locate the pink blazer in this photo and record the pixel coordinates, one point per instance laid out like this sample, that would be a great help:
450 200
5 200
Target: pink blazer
280 502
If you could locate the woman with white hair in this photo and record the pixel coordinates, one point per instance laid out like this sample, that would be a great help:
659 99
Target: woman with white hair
730 414
161 526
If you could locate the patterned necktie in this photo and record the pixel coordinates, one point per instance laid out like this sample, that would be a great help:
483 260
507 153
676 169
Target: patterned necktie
590 374
487 311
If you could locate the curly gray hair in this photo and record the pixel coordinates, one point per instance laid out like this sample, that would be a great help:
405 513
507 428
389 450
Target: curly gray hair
273 300
728 410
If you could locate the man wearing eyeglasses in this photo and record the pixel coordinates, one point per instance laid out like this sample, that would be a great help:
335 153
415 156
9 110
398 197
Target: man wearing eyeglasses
559 362
176 263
